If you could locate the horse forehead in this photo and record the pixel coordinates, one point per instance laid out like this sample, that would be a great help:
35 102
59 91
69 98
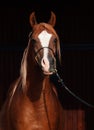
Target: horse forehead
44 38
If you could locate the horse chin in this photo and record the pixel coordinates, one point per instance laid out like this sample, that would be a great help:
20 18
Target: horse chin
47 73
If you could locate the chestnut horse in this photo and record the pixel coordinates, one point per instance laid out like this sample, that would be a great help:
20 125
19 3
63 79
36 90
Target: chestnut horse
32 102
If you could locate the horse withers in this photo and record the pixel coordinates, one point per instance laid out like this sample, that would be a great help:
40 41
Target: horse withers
32 102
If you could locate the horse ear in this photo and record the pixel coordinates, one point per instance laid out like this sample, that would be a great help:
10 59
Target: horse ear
52 20
32 19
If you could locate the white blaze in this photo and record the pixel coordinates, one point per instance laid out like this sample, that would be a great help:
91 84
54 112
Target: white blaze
44 38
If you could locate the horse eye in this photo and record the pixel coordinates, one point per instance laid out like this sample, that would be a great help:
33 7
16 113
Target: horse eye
55 40
33 41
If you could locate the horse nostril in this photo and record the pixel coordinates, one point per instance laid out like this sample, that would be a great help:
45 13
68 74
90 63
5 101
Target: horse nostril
45 62
48 64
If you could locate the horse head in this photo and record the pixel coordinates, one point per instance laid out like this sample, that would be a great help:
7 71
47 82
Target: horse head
44 44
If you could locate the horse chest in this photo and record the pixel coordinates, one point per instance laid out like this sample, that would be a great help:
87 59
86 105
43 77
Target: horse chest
35 116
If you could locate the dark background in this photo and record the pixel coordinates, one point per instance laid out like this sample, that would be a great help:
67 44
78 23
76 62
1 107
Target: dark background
75 27
75 22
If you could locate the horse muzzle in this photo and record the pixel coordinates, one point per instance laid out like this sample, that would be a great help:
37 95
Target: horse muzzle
48 65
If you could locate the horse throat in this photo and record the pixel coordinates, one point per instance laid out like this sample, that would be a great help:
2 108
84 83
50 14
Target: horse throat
36 82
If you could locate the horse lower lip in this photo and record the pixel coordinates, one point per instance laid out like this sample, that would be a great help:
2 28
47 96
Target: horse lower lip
48 73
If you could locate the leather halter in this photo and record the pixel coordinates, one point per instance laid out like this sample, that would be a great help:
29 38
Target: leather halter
43 48
54 70
36 53
30 34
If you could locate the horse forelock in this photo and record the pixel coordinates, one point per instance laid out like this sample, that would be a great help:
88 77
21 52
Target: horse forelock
48 27
37 29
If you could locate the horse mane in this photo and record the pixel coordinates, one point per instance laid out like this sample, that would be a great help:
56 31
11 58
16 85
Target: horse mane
23 68
20 82
12 90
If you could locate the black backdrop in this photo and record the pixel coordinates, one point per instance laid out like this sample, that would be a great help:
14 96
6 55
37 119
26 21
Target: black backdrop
75 26
74 20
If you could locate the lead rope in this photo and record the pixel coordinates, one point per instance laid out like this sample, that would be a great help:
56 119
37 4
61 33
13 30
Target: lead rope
73 94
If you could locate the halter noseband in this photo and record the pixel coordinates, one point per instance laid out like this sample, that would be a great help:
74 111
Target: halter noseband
43 48
40 50
30 34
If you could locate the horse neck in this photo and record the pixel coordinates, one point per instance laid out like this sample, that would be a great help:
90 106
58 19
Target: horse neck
36 82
